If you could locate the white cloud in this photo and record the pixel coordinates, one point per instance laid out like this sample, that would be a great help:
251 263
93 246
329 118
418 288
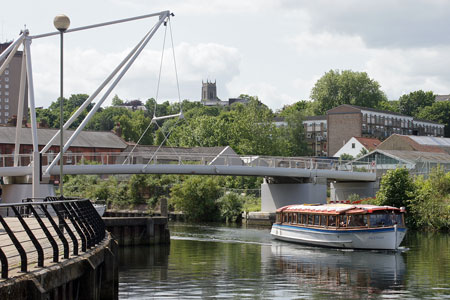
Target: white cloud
86 69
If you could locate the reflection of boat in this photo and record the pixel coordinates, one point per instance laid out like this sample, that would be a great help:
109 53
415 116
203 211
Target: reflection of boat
341 225
361 271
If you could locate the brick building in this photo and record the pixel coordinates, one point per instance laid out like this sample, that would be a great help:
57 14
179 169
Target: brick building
9 87
347 121
85 145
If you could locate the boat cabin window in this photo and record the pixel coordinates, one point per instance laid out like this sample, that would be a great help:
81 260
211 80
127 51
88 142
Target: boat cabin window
294 218
278 220
316 220
285 218
290 218
332 220
310 219
323 220
357 220
385 219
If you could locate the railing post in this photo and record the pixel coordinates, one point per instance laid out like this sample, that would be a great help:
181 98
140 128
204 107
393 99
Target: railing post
22 253
49 237
4 261
33 239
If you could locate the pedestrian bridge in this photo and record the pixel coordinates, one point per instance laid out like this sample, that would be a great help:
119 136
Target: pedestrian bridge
193 164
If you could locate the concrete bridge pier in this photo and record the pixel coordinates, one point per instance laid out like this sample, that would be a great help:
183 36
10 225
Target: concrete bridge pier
276 193
340 191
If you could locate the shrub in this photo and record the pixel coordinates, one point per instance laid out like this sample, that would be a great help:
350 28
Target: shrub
230 206
196 198
396 188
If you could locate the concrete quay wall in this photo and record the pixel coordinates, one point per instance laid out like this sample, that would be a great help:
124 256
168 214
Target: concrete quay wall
92 275
132 231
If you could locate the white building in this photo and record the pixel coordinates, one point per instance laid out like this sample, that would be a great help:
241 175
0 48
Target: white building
354 146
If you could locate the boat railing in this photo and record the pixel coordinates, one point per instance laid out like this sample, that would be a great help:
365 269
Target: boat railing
38 232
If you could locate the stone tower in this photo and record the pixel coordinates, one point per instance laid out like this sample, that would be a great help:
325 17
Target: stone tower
209 91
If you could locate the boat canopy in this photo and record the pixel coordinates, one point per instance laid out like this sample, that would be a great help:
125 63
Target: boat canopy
336 208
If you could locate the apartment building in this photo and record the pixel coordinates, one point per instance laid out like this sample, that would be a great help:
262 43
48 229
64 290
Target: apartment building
347 121
316 134
9 87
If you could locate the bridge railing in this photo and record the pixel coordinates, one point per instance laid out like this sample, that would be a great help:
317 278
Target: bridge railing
41 231
114 158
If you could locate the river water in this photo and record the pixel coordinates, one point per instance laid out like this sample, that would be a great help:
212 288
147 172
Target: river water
219 261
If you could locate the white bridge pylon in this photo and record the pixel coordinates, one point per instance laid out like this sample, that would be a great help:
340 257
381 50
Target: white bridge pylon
25 39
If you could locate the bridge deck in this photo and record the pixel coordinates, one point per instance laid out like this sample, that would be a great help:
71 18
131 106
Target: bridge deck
12 254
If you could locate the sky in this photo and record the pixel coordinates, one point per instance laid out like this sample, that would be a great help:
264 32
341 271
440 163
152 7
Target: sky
275 50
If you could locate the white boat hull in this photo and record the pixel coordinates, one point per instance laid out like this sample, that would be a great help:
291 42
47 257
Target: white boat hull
372 238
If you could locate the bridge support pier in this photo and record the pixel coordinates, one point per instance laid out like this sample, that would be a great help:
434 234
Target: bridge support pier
276 195
340 191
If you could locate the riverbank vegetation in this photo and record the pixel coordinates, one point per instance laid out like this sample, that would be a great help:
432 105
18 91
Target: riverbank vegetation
200 198
427 200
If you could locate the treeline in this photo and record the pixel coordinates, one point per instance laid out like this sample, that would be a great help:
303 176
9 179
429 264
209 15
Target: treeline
247 128
427 200
200 198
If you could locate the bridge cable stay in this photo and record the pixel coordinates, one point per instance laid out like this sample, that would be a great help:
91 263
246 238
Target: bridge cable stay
155 119
157 92
109 90
180 114
88 101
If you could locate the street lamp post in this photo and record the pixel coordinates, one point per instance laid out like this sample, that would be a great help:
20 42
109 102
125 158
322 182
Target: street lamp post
61 22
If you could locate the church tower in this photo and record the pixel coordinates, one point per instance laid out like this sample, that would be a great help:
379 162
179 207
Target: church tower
209 91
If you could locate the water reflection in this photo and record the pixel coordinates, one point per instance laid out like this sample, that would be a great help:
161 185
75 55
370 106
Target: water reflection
347 272
205 261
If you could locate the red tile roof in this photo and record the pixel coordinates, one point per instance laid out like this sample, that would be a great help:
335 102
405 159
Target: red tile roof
369 143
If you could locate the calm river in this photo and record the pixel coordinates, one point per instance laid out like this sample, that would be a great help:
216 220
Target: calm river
218 261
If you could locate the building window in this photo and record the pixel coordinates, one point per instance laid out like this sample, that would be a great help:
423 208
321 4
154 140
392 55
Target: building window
6 100
353 145
6 79
6 106
6 72
6 86
6 114
6 93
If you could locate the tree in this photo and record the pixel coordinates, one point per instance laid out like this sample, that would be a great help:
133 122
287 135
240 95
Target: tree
51 115
230 206
307 108
336 87
291 138
396 188
196 198
346 156
116 101
414 102
438 112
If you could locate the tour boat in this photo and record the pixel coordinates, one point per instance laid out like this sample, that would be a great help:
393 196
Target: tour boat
355 226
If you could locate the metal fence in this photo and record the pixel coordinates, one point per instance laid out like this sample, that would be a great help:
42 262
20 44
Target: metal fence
39 232
129 158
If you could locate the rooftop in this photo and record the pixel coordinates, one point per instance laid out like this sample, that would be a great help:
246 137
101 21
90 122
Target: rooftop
369 143
97 139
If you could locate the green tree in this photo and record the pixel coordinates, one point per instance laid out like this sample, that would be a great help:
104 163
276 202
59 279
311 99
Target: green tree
291 138
396 188
346 156
412 103
430 207
196 197
230 206
51 115
346 87
116 101
438 112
